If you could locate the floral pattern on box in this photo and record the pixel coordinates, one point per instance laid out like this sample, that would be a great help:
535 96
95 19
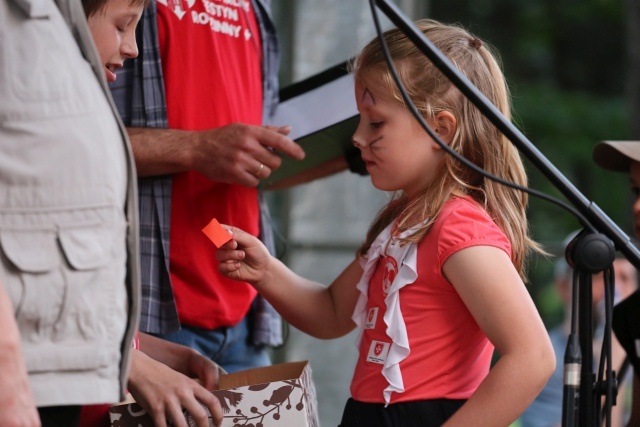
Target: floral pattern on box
288 401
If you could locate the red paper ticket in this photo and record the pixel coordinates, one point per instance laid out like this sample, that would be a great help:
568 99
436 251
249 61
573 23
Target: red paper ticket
217 233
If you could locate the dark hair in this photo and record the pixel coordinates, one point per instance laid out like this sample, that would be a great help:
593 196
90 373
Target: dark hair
92 7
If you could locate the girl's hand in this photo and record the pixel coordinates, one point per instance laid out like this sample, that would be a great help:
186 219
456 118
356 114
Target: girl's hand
243 258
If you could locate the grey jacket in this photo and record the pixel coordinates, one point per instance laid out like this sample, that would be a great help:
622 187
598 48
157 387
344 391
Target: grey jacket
68 212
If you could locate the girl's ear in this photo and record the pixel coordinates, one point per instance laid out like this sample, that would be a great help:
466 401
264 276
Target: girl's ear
445 126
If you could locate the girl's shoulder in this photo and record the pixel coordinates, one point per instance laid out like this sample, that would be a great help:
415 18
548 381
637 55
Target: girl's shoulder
461 208
463 222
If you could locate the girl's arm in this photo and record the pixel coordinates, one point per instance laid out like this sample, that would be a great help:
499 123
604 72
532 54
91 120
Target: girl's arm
316 309
492 290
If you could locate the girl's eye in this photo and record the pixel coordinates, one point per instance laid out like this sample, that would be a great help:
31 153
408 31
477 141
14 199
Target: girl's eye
635 191
375 125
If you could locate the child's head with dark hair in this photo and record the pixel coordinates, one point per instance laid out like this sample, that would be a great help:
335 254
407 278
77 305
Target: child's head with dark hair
112 24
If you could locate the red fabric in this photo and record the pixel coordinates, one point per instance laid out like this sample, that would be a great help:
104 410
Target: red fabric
98 415
450 355
95 416
211 58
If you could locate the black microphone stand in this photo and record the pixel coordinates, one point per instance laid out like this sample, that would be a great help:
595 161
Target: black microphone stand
588 254
588 213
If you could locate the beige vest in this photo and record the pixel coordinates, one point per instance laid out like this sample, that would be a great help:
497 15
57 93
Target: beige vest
68 212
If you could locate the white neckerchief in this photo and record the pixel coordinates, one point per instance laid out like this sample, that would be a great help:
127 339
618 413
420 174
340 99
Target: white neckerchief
406 257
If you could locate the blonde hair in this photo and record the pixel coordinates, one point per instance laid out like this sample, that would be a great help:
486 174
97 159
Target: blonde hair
476 138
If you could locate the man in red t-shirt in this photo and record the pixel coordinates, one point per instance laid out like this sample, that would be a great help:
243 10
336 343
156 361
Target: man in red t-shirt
217 151
211 66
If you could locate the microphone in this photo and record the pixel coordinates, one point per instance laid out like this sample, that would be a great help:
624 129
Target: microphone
571 390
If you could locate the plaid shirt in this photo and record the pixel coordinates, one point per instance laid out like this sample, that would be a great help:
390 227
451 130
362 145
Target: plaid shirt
139 96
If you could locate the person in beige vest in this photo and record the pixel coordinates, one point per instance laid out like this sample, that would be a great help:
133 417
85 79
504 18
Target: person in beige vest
68 282
68 220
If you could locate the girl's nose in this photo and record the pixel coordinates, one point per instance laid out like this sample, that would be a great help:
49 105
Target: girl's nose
358 139
358 144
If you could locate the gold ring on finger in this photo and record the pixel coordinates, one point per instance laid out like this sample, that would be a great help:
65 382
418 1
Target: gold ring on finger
259 171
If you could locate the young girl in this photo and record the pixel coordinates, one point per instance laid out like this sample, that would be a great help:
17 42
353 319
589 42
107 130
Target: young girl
437 283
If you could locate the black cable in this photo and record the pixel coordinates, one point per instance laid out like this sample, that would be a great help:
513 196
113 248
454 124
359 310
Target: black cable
606 355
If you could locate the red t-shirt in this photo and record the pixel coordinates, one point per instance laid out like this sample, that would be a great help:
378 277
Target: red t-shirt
449 354
211 57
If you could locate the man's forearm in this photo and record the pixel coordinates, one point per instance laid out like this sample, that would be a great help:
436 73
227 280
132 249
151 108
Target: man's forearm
161 151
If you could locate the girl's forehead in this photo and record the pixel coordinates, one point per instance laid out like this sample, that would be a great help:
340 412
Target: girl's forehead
368 78
367 99
371 91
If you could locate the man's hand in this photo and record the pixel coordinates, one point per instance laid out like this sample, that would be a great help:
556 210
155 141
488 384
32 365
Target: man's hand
233 154
242 154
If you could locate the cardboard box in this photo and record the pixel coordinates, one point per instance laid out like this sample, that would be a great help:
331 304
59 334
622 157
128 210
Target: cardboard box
279 395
